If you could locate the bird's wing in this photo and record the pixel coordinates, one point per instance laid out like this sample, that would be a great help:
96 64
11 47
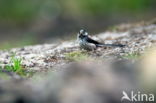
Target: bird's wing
111 45
92 41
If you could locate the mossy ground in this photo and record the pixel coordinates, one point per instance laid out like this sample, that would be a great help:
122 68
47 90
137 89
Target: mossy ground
77 56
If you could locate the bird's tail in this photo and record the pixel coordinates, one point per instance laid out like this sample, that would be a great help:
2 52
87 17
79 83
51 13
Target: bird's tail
110 45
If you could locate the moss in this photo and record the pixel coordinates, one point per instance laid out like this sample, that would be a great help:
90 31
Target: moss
77 56
132 55
113 28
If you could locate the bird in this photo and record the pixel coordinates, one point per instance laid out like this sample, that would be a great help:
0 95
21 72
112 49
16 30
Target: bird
87 43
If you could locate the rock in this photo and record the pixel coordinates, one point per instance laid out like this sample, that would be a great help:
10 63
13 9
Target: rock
136 39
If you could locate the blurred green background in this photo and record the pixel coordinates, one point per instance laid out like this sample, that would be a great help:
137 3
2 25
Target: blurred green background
27 22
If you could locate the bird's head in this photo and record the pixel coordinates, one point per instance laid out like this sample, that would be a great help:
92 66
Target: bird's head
82 33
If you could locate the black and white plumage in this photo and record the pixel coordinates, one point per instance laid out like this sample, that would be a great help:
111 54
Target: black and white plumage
88 43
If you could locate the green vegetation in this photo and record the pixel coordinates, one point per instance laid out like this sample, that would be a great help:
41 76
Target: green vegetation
21 11
106 7
113 28
133 55
15 65
77 56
